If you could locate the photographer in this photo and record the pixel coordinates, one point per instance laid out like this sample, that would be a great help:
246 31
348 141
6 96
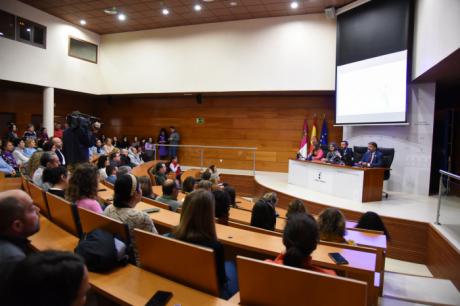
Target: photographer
78 137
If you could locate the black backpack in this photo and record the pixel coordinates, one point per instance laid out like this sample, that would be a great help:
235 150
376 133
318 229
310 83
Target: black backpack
98 250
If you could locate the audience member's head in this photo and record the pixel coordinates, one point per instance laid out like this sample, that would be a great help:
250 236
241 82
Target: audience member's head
49 160
57 142
222 207
189 184
123 170
294 207
108 141
263 213
34 162
300 237
49 278
19 143
115 157
206 176
197 221
170 189
55 176
205 185
48 146
98 143
30 127
270 198
30 143
146 186
124 152
127 191
331 224
111 170
8 146
18 216
160 168
372 221
102 162
83 183
232 194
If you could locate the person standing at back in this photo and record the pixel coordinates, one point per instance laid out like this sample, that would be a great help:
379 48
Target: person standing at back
174 139
162 139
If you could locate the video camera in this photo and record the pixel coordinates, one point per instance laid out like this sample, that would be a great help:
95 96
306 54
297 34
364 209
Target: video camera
79 120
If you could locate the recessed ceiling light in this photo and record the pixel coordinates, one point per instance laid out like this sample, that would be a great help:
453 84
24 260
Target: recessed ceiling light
294 5
111 11
28 30
165 11
121 17
83 22
197 7
233 3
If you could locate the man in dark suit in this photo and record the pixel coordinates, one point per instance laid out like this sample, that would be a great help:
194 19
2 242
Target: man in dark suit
373 157
58 144
346 153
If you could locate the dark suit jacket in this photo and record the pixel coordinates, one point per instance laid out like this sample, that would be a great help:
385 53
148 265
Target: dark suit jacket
347 151
76 145
376 162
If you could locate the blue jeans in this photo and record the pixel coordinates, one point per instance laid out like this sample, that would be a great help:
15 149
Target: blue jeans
231 287
172 152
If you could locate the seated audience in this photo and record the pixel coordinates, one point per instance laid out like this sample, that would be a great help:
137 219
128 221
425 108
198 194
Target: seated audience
331 224
30 147
135 142
160 173
102 164
146 187
296 206
135 156
7 155
373 157
222 208
47 160
34 163
206 175
127 194
125 160
205 185
47 146
124 144
300 237
108 147
111 174
19 219
264 213
372 221
174 167
83 186
97 149
123 170
12 132
148 149
7 169
169 196
197 226
49 278
333 156
188 185
57 142
214 174
115 142
58 179
43 134
232 194
58 131
316 154
30 132
115 159
18 152
346 152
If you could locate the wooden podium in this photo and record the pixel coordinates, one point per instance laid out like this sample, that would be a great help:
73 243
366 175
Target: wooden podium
353 183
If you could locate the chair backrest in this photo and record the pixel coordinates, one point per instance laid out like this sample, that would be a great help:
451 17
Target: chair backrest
38 197
156 203
91 220
25 183
358 152
387 160
152 176
268 284
64 214
186 263
254 229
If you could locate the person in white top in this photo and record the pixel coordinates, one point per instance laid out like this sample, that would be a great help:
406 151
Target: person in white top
18 152
135 156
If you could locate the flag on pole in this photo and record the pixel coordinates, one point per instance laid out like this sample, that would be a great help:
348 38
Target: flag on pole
303 148
324 133
313 137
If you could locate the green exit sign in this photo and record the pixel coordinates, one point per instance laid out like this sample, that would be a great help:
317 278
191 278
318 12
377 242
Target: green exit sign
199 120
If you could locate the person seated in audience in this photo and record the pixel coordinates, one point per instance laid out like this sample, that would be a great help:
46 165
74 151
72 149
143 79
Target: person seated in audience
30 132
264 213
97 149
300 237
174 167
34 163
215 178
57 142
135 156
49 278
205 185
373 157
127 193
222 209
332 224
146 187
296 206
232 195
115 159
12 132
43 134
83 186
124 144
7 155
345 151
169 196
57 179
48 147
135 142
19 219
125 160
47 160
162 139
102 164
111 174
108 146
316 154
115 142
206 175
58 131
333 156
148 149
372 221
160 173
18 152
123 170
30 147
197 226
188 185
7 169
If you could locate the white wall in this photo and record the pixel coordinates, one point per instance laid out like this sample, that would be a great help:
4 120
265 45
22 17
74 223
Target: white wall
283 53
436 33
20 62
411 165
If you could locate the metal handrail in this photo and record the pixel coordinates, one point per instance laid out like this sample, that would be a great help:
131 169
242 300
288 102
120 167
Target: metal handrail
254 149
449 176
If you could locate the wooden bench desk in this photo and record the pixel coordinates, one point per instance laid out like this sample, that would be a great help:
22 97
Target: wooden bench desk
51 236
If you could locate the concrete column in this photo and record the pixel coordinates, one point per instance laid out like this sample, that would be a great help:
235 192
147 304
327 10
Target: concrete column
48 110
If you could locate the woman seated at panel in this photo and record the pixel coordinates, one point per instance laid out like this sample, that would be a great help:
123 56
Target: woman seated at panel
264 213
197 226
296 206
58 179
83 186
146 187
127 194
372 221
316 154
333 156
332 224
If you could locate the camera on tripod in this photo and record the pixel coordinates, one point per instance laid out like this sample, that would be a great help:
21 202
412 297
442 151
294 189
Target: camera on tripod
79 120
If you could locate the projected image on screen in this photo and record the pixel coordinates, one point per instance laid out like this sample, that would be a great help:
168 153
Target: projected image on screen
372 90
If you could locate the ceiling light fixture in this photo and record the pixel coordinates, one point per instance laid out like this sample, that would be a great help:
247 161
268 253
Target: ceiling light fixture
121 17
28 29
294 5
197 7
165 11
111 11
83 22
233 3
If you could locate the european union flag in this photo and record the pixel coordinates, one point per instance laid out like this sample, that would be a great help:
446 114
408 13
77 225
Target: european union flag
323 140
